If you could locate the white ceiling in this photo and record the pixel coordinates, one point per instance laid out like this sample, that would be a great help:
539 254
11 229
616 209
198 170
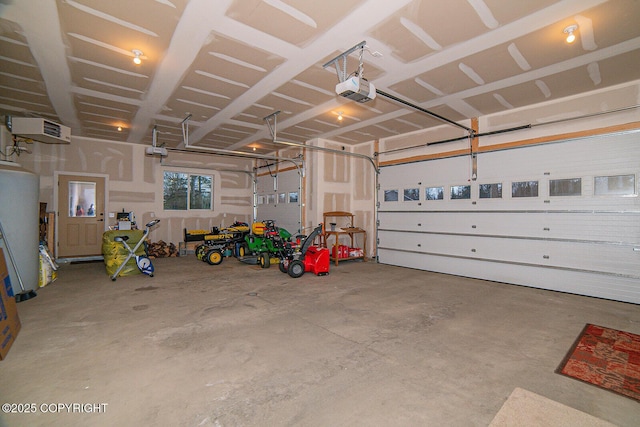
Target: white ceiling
230 63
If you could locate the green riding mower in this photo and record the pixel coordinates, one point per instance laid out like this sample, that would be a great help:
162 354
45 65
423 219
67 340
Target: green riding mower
264 244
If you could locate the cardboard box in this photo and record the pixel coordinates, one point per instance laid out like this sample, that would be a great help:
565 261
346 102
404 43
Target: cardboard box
9 320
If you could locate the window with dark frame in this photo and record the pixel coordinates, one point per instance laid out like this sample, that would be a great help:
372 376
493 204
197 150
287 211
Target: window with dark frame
183 191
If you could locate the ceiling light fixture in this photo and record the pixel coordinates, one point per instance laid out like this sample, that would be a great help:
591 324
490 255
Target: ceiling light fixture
119 128
137 54
569 32
339 116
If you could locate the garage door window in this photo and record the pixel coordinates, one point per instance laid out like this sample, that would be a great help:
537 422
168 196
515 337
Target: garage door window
434 193
490 191
565 187
524 189
619 185
411 194
460 192
390 195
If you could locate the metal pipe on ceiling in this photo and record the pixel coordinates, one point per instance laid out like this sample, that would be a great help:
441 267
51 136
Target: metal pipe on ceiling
175 165
300 171
586 116
513 129
423 110
275 163
219 151
229 153
460 138
329 150
273 129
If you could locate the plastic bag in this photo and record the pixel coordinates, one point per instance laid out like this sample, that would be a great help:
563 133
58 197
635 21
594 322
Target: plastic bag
47 267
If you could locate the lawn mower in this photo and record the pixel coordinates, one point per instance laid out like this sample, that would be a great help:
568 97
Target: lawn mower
266 242
222 243
297 260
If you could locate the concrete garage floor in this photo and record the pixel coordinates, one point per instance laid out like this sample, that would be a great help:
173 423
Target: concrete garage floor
234 345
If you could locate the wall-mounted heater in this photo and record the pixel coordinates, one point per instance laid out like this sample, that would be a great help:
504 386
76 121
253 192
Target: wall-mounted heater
41 130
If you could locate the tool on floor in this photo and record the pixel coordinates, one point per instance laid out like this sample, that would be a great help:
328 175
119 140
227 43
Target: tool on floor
24 294
142 261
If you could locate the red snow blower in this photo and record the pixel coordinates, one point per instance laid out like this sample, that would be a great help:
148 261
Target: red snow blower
305 258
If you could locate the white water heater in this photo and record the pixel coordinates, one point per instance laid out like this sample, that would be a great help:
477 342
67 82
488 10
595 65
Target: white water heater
19 215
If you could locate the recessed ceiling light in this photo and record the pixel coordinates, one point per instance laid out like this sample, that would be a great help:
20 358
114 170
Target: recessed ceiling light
569 32
119 128
137 54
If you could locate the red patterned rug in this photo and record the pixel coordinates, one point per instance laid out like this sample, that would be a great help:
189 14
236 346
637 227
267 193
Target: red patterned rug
606 358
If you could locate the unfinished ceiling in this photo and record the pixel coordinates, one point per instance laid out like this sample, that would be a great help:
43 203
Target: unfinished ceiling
230 63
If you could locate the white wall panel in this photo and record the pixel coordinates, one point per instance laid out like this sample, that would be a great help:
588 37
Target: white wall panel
587 243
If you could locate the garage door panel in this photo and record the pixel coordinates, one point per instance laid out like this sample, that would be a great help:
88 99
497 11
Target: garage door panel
604 227
279 199
583 283
573 218
612 259
560 225
605 258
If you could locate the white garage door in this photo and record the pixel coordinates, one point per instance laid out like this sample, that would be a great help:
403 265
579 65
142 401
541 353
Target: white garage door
562 216
279 199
